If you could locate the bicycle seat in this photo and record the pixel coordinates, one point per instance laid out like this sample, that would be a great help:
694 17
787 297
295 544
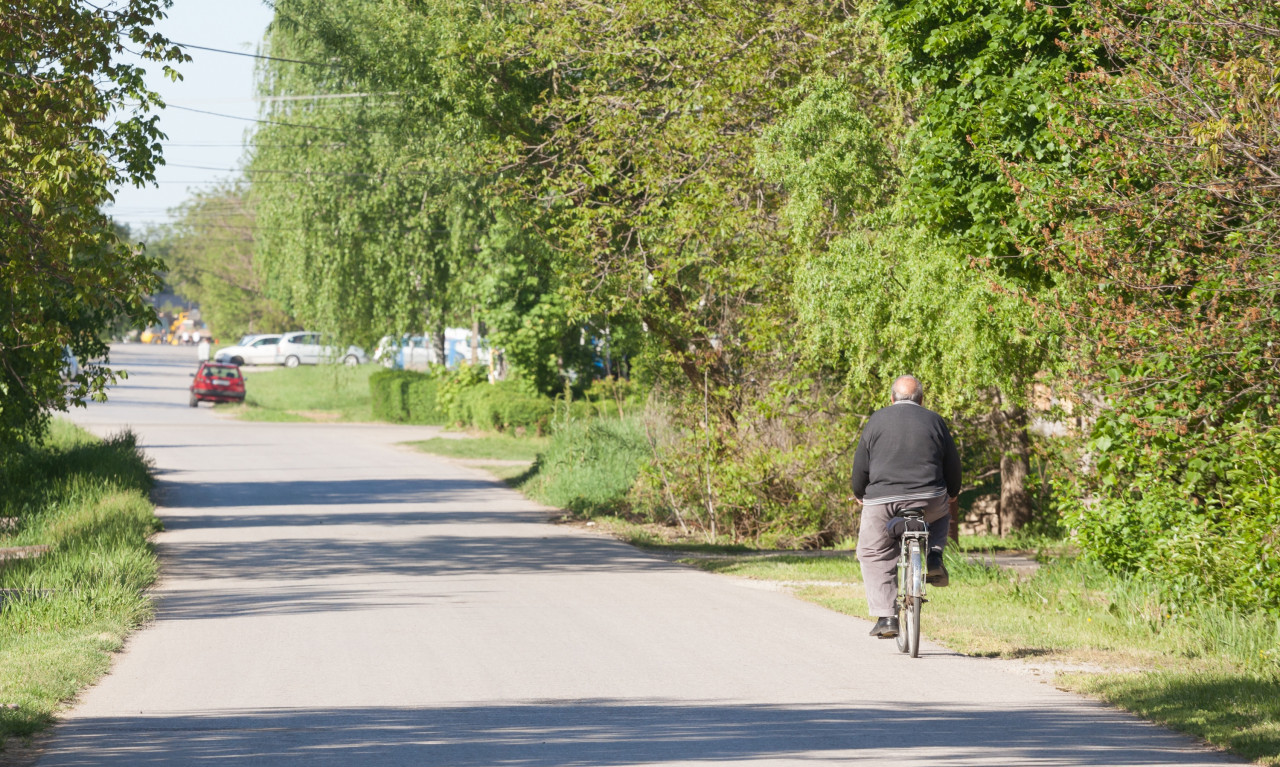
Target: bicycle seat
904 520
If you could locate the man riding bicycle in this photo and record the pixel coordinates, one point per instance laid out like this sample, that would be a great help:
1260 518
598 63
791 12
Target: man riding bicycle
906 459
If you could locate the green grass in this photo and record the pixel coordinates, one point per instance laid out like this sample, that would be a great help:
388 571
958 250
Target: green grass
588 466
1213 674
1240 713
496 447
306 393
73 606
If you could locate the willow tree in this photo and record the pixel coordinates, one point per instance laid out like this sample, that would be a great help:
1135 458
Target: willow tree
986 80
75 123
376 175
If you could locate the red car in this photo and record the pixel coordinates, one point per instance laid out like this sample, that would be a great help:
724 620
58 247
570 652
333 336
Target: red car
217 382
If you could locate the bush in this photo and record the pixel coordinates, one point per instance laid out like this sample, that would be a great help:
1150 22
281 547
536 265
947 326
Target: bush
526 411
772 482
420 399
449 395
505 406
589 466
462 397
1201 523
478 407
387 390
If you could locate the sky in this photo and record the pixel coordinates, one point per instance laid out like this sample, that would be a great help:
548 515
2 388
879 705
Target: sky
214 82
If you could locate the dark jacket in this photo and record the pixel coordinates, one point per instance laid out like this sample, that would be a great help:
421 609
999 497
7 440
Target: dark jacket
905 453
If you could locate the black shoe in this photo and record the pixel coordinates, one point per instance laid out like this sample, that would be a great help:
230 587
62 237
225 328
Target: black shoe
936 575
885 628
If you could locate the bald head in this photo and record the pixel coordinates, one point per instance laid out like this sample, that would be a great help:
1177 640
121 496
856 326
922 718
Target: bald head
907 389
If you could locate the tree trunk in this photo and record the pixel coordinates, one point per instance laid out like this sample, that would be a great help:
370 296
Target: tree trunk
1015 467
475 336
438 342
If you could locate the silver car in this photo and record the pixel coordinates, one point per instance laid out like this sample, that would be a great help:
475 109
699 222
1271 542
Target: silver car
251 350
304 347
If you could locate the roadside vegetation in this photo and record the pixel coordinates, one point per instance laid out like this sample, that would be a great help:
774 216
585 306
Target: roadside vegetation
67 609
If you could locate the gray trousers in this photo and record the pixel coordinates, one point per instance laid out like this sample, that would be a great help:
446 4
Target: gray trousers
878 550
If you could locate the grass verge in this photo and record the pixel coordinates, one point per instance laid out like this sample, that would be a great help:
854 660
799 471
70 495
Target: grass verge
306 393
65 612
494 447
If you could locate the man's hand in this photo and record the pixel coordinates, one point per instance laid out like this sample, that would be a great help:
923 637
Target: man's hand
953 505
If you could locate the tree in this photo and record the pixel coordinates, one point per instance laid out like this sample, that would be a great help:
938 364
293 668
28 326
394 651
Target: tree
986 77
1164 243
73 124
209 252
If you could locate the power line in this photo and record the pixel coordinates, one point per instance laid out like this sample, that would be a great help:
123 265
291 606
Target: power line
297 172
255 55
263 122
243 144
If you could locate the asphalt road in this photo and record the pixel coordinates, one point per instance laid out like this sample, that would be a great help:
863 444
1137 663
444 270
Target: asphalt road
330 599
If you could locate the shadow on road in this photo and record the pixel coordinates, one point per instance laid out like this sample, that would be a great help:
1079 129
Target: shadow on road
307 558
351 492
610 732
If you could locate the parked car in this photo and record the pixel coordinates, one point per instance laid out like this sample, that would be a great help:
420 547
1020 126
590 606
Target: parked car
304 347
217 382
257 349
405 353
415 352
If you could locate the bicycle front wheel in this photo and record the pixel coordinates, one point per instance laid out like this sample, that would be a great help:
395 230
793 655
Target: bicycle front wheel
915 598
904 609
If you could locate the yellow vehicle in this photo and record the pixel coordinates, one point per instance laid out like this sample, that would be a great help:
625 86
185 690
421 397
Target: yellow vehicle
180 323
152 335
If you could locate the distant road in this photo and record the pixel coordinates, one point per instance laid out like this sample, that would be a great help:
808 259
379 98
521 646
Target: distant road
330 599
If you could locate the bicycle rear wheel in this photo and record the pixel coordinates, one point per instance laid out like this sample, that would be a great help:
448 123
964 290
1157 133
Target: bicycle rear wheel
915 598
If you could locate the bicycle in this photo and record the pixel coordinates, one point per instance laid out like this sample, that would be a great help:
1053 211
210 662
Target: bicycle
913 536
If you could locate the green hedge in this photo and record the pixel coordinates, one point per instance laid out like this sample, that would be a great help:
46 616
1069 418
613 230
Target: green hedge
420 400
387 390
457 397
504 406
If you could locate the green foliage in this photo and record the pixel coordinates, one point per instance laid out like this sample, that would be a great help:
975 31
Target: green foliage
1164 247
387 389
987 74
1200 519
461 397
75 124
776 477
830 153
507 405
450 398
67 611
209 252
590 466
379 198
420 400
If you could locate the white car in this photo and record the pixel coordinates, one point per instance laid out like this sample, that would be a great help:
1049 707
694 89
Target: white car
304 347
411 352
251 350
